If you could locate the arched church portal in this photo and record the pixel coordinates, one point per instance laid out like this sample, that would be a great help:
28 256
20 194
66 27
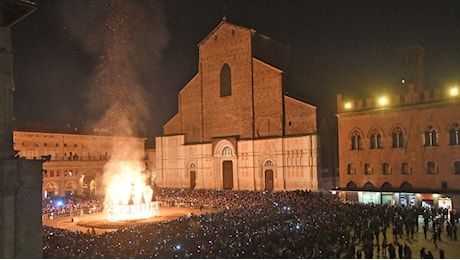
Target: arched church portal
192 179
192 173
269 179
227 172
224 151
268 174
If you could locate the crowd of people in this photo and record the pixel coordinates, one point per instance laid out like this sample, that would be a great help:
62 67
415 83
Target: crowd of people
70 206
255 224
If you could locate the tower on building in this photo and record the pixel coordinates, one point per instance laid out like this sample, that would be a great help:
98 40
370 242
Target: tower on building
410 67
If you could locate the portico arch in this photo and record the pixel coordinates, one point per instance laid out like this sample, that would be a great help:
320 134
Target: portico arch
50 190
71 188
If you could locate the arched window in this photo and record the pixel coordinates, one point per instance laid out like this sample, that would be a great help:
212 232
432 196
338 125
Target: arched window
457 167
397 140
351 169
430 136
368 186
431 168
351 185
225 81
227 151
454 134
368 169
387 186
386 168
268 163
405 168
356 141
405 186
376 139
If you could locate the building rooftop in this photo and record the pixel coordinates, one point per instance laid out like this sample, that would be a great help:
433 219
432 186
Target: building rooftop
61 129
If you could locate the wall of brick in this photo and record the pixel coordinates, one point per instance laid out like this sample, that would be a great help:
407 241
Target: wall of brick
230 115
190 106
268 102
300 117
413 120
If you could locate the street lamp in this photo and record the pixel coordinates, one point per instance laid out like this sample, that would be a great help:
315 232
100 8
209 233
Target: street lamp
347 105
383 101
453 92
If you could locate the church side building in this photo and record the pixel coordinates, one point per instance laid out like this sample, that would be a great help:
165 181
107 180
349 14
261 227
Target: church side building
236 128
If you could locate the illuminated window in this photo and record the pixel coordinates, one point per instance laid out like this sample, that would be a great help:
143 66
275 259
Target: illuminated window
397 139
457 167
351 169
454 134
368 169
430 136
355 141
431 168
225 81
405 168
386 169
376 139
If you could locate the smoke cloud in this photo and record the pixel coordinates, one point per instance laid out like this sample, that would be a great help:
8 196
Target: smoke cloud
126 39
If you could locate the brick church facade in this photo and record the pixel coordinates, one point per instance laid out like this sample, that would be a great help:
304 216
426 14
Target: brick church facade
236 128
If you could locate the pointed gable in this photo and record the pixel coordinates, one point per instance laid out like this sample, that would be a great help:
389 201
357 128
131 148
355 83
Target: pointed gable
218 27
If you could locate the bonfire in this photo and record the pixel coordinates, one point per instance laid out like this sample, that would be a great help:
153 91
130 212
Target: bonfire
128 196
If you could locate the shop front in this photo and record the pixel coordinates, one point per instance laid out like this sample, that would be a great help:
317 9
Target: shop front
425 200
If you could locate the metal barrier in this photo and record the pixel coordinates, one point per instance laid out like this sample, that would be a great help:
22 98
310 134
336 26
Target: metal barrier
71 213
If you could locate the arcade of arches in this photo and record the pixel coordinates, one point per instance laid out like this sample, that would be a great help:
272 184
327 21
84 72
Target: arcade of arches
71 185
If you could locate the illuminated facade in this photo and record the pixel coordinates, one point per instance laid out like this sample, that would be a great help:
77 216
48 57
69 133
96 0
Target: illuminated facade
403 151
236 127
76 156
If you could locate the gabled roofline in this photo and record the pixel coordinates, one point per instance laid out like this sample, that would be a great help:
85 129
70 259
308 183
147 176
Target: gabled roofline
218 26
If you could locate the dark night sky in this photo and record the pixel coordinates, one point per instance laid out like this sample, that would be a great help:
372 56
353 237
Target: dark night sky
60 47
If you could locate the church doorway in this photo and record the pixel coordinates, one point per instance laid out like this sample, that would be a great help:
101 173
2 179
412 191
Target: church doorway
227 168
192 180
269 180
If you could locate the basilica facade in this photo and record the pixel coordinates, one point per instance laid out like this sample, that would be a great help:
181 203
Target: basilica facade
237 128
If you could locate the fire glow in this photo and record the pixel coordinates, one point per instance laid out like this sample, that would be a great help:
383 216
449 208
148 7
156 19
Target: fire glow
128 196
